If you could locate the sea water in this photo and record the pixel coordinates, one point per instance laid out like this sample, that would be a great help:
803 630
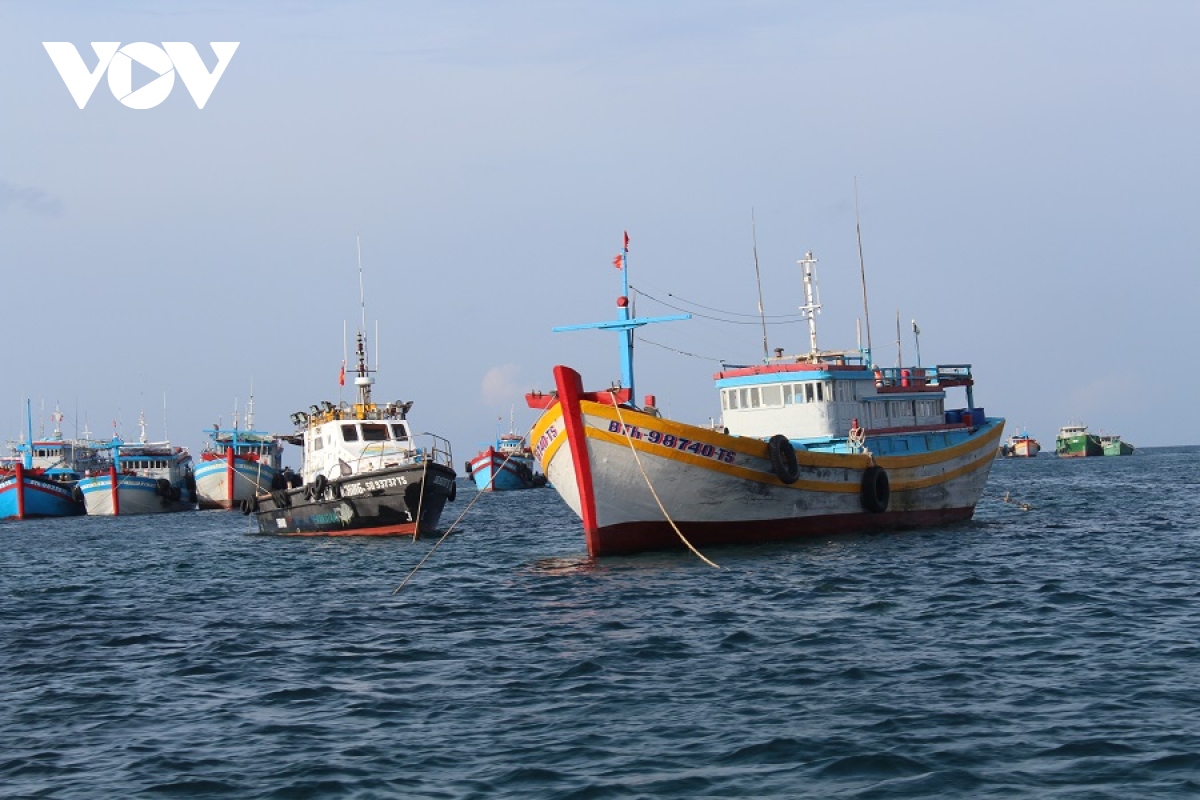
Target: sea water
1048 648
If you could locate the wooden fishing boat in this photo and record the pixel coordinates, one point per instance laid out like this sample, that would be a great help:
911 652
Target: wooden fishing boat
1020 445
237 463
811 444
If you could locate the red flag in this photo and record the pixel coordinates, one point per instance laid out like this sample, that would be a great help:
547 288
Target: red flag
626 241
617 259
342 376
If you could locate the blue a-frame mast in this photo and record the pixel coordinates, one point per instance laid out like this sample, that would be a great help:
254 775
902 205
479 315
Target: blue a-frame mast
625 323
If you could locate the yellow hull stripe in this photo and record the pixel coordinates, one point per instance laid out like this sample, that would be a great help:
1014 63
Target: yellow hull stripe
758 449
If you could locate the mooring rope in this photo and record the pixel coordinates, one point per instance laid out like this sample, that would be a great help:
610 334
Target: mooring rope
421 498
448 530
661 507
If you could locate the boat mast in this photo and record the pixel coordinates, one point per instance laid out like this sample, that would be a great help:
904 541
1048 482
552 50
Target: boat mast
363 380
758 282
625 323
862 272
28 454
812 304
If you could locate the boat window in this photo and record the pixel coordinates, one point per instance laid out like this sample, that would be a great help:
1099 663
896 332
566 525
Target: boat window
375 432
808 392
724 399
745 397
398 431
733 398
787 394
318 443
754 402
772 396
820 394
350 433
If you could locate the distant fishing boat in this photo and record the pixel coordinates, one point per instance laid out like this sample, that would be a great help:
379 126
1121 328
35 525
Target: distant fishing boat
365 471
1020 445
142 478
39 478
1074 441
811 444
237 463
1113 445
505 466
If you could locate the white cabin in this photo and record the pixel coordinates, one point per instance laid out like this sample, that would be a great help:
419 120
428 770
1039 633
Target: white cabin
817 400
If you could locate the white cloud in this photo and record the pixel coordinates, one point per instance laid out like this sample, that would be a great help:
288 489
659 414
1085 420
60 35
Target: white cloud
500 386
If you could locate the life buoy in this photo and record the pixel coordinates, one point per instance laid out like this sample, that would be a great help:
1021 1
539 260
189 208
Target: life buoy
876 489
783 459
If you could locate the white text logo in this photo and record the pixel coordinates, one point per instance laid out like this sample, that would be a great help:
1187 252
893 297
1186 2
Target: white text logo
172 57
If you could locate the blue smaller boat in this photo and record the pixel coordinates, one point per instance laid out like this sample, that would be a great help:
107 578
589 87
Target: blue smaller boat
505 466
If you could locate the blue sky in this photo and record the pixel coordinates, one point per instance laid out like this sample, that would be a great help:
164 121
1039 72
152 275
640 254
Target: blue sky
1027 179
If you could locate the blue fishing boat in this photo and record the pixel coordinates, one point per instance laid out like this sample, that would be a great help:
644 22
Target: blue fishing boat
505 466
39 478
237 463
142 478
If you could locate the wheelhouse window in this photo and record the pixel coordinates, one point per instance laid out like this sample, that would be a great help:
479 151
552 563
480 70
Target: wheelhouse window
350 433
772 395
374 432
398 431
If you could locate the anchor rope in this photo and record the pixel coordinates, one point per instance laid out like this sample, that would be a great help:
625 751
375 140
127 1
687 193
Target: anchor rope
448 530
421 498
653 493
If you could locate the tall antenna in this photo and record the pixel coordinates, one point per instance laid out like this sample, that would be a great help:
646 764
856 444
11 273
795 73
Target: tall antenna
862 269
758 282
362 297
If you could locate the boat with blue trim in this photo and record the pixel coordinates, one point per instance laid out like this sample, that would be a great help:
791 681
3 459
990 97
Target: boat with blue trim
808 445
507 465
237 463
142 477
39 479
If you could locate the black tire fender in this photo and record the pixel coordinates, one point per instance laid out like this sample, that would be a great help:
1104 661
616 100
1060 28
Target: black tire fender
453 493
783 459
318 487
876 489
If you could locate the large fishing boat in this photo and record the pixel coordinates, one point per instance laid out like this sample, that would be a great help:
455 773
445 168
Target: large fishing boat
237 463
142 477
39 478
1113 445
1074 441
506 465
811 444
365 471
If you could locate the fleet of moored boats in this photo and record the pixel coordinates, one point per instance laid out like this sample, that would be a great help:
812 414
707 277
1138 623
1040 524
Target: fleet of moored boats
815 442
1073 441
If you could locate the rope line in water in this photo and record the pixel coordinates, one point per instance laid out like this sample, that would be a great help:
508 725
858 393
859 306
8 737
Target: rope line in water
653 493
448 530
